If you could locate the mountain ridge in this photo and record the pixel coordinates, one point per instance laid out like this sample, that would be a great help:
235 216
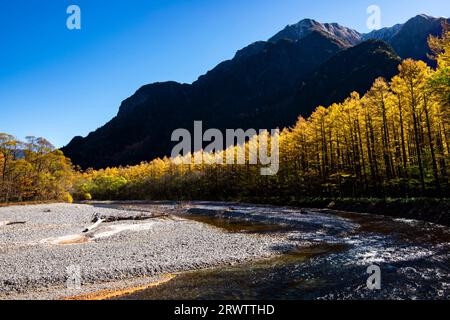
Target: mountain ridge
306 26
265 85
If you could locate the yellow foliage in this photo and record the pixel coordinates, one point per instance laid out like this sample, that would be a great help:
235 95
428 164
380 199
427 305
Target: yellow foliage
66 197
392 140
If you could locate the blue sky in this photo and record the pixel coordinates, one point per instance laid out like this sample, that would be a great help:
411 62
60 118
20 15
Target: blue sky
58 83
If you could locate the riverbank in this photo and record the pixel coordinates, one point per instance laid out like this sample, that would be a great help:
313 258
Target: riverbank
424 209
40 243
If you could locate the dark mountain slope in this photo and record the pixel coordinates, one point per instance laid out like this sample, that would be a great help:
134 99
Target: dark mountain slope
266 85
409 40
351 70
138 132
232 95
354 69
239 91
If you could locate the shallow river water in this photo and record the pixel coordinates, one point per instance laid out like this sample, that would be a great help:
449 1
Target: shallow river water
328 258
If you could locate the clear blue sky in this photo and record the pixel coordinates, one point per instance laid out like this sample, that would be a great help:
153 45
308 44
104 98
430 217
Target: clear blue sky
58 83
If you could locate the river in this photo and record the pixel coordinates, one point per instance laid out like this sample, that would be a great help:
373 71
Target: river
331 262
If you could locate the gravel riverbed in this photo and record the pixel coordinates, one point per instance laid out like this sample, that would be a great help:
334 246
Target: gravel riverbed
41 244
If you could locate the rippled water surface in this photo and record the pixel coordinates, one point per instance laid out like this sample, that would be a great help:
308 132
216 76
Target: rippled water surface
331 263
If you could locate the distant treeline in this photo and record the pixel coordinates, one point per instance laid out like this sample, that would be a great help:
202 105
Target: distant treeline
393 141
33 171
